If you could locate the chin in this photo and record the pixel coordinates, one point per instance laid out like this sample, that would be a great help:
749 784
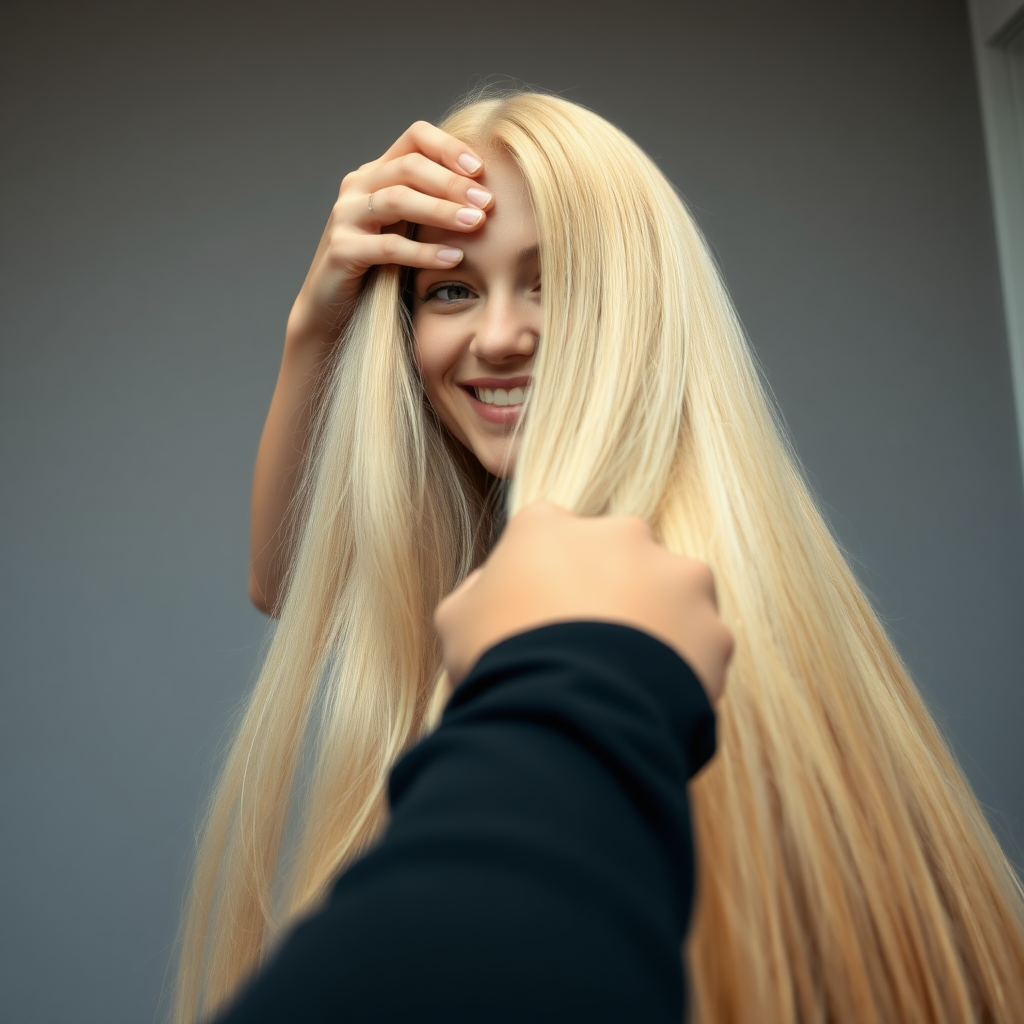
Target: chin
493 464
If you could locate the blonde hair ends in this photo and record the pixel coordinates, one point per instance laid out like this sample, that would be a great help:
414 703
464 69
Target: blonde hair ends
846 871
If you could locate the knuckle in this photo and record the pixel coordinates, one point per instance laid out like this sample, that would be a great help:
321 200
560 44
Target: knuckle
702 573
352 181
632 527
338 240
728 642
702 578
440 617
390 244
336 249
641 527
386 199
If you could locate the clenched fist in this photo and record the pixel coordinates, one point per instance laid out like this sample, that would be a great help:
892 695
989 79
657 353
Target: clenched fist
553 566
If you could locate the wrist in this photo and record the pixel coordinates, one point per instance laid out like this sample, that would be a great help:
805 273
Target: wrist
305 358
309 333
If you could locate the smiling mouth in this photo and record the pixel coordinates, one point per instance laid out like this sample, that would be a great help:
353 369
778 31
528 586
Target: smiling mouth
482 394
490 412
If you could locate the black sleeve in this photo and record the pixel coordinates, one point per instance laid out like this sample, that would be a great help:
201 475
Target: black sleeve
538 865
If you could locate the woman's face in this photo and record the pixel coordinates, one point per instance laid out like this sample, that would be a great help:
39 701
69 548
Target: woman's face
477 324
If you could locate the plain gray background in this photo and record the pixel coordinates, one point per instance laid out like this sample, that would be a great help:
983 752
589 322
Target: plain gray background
167 172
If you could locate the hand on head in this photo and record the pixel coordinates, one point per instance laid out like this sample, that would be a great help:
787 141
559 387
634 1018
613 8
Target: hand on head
426 177
553 566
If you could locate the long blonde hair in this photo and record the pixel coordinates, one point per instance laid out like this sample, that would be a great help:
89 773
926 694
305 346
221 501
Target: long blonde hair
846 872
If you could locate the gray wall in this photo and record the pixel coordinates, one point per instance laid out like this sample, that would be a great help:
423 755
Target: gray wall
166 175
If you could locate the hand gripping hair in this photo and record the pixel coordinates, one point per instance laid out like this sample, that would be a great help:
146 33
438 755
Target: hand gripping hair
846 871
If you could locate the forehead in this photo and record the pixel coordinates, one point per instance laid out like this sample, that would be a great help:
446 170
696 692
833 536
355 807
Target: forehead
510 224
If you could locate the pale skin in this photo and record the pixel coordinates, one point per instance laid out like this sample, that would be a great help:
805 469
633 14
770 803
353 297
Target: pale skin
477 325
476 319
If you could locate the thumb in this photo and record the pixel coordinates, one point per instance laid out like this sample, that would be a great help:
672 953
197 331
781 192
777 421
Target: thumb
466 584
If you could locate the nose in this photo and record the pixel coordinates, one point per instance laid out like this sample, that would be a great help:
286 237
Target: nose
507 327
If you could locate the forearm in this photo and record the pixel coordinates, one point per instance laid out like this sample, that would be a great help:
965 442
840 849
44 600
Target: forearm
355 238
538 865
279 463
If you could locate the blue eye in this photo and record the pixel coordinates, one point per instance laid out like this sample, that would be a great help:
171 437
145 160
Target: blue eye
436 292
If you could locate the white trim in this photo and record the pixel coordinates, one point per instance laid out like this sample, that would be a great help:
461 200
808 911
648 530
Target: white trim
997 27
991 19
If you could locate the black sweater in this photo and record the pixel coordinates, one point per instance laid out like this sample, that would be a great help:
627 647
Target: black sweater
538 863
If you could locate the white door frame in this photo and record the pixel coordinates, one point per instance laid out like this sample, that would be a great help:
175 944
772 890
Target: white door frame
997 28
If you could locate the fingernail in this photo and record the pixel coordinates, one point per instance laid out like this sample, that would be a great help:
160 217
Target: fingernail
469 163
450 255
469 217
478 197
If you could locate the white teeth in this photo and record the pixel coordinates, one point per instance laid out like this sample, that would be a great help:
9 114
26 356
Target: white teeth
498 396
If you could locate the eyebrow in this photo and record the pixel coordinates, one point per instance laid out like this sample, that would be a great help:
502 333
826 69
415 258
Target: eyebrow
527 255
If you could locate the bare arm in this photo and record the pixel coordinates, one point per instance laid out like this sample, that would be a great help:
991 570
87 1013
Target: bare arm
419 180
279 463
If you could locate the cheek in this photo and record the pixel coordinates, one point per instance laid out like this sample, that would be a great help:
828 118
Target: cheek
416 355
424 352
424 360
433 356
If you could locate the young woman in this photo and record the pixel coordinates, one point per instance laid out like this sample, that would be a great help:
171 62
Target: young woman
846 871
